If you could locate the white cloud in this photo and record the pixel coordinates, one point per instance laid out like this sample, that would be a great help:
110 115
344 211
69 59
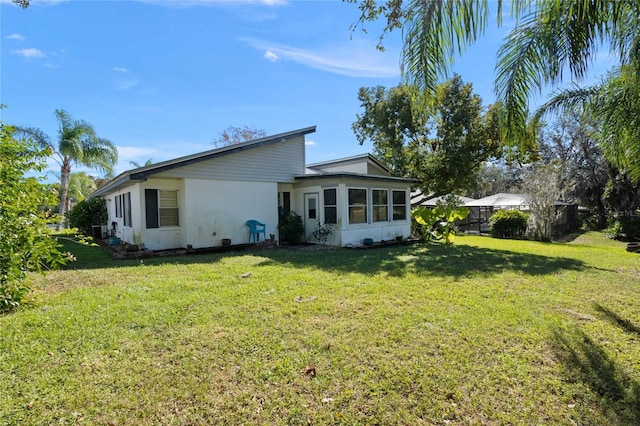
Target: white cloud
16 36
120 69
310 143
271 56
353 59
31 52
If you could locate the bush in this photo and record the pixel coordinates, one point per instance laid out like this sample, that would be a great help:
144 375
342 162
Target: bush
25 242
509 224
290 227
88 212
625 229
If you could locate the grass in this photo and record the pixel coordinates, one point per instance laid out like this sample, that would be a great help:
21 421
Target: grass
485 332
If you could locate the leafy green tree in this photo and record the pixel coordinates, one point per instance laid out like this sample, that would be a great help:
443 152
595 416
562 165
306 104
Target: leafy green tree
552 39
443 146
25 241
81 185
77 143
88 212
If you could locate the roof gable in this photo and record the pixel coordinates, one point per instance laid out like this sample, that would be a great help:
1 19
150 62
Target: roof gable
362 164
142 173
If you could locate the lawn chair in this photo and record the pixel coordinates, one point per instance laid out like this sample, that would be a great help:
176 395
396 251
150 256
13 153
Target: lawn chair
255 229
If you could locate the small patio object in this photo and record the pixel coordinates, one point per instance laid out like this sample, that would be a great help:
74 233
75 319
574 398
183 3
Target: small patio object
255 229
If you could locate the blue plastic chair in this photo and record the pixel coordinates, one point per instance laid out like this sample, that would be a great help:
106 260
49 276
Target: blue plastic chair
255 229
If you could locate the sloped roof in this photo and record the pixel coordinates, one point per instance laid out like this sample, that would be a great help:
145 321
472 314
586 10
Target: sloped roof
142 173
317 167
419 199
500 200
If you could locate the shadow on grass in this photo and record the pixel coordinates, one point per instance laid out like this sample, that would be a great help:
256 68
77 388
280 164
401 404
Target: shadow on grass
587 362
616 319
431 259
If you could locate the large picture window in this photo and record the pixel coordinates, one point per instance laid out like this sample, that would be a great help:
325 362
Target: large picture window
357 205
399 205
380 207
330 206
161 208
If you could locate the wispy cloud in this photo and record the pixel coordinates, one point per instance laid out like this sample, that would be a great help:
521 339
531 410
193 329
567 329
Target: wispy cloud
120 69
31 52
16 36
310 143
269 55
354 59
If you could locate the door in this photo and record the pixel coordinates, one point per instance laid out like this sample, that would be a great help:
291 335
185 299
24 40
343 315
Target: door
311 214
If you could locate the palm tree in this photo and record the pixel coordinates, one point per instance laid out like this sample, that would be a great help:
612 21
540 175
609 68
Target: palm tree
77 144
552 38
138 165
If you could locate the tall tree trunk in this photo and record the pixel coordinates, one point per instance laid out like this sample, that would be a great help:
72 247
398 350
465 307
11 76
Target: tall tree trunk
65 176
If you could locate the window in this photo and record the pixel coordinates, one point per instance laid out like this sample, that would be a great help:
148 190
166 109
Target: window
330 206
126 201
357 206
380 200
161 208
118 205
284 201
399 205
312 210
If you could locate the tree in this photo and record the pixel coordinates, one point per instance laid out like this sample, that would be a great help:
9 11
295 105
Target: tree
25 241
571 142
443 146
233 135
77 143
138 165
542 185
550 38
494 177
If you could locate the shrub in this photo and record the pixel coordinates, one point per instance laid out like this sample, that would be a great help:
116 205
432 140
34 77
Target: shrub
90 211
322 232
625 229
509 224
290 227
25 241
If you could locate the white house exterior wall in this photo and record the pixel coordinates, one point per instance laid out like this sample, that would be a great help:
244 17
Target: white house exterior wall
277 162
125 233
217 209
164 237
345 233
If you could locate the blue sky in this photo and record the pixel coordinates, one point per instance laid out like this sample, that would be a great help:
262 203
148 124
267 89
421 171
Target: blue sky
162 79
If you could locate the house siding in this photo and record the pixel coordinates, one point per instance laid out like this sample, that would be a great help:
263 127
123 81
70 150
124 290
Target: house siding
218 209
278 162
344 232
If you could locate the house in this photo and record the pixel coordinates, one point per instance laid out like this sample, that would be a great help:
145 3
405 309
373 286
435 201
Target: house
201 199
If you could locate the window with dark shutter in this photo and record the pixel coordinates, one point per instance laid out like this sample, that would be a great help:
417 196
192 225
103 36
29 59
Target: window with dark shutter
151 207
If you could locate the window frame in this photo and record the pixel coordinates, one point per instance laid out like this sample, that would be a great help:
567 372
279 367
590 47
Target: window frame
333 207
394 206
153 208
350 206
373 205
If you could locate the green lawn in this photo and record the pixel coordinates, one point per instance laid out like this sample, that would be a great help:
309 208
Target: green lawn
485 332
